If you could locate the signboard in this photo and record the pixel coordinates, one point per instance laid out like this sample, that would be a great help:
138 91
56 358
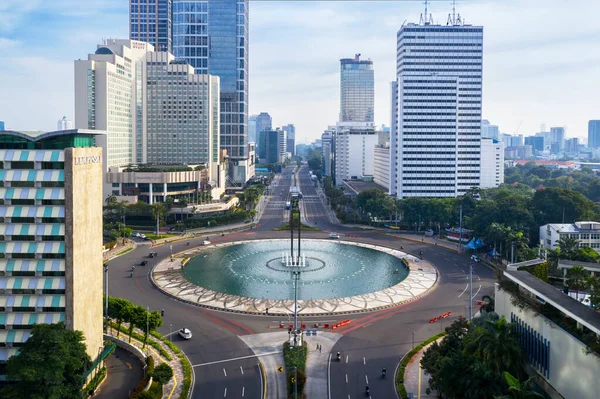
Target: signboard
280 369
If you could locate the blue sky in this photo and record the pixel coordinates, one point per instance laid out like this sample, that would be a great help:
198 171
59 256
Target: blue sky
541 57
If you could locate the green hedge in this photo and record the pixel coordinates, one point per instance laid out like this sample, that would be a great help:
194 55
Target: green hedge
185 364
151 342
144 381
295 357
406 359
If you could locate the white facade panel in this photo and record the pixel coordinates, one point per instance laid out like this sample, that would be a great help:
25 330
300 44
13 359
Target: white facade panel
492 163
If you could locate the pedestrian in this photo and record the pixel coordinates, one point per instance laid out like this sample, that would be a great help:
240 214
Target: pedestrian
320 347
162 312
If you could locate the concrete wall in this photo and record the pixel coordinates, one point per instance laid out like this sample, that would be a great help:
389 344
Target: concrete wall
573 374
128 347
381 167
83 244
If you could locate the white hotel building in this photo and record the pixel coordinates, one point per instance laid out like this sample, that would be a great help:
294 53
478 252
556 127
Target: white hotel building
436 110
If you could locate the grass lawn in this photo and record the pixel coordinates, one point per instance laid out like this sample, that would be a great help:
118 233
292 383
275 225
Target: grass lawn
158 237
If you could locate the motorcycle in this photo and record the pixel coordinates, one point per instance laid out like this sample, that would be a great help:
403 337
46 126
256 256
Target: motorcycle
383 372
339 356
367 391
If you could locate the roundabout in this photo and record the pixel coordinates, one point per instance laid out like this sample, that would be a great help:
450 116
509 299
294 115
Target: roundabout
335 277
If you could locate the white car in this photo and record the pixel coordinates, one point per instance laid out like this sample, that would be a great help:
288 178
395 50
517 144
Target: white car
185 333
474 258
334 235
205 242
136 234
142 236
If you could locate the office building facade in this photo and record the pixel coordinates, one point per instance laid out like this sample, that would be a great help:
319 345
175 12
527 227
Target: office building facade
150 22
263 122
64 124
557 135
354 153
51 236
328 148
536 143
357 90
436 137
1 125
272 146
489 131
594 134
492 163
212 36
252 136
290 136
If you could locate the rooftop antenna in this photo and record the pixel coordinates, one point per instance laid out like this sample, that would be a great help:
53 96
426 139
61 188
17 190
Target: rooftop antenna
425 17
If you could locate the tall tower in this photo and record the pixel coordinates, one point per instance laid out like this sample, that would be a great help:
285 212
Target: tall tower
150 21
594 134
212 36
436 106
357 90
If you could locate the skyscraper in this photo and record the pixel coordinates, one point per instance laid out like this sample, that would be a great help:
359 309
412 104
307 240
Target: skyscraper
1 125
357 90
489 131
252 136
212 36
64 124
436 137
593 134
290 133
557 135
263 122
150 21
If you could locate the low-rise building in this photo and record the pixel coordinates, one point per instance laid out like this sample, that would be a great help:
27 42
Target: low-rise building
354 152
492 163
587 233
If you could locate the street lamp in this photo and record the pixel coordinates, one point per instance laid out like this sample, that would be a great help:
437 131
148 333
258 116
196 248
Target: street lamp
170 332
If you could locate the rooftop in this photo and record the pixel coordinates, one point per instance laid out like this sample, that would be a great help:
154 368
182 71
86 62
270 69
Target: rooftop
542 162
569 306
358 186
40 135
577 227
589 266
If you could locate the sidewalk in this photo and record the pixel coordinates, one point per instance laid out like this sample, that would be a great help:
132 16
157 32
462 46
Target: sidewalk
175 385
114 252
411 376
270 343
317 363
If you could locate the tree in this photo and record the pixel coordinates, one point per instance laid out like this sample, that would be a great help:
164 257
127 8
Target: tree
577 276
158 212
162 373
586 254
49 365
495 344
568 246
516 390
593 284
110 200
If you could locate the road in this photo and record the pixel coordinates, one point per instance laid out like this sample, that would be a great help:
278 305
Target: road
124 372
369 343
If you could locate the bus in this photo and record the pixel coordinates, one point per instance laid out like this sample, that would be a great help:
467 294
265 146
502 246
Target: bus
295 191
288 204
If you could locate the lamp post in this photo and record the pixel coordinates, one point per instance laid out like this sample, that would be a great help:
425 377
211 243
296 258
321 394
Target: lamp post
106 296
147 327
171 248
170 332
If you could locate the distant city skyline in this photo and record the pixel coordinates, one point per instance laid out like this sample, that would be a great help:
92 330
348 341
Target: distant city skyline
539 68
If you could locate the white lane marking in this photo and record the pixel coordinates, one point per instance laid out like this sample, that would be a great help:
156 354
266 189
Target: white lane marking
463 271
235 358
365 361
242 370
328 377
346 378
225 372
225 393
367 379
477 292
465 290
367 325
348 396
346 358
478 278
243 391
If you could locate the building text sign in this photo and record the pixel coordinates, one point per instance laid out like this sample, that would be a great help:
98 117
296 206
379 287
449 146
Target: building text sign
87 160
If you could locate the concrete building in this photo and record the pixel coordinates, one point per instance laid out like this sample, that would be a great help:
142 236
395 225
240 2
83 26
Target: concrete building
354 152
519 152
51 235
572 145
272 146
587 233
1 125
357 90
252 136
536 143
150 21
436 110
212 36
290 134
381 160
492 163
594 134
64 124
556 354
557 135
328 148
489 131
549 164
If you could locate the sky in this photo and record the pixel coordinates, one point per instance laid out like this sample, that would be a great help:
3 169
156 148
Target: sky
541 58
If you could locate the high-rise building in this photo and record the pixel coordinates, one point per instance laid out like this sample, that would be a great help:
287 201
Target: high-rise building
252 136
263 122
354 152
492 163
557 135
272 146
593 134
1 125
489 131
290 133
436 104
64 124
357 90
212 36
572 145
328 145
150 21
381 160
51 265
536 143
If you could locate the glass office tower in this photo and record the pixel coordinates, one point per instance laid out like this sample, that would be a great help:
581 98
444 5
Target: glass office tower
150 21
212 36
357 90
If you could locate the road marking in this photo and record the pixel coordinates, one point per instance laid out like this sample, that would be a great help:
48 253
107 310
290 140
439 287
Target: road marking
225 372
367 379
346 378
478 278
365 361
367 325
225 393
128 365
348 396
235 358
242 370
328 378
243 391
346 359
465 290
477 292
462 270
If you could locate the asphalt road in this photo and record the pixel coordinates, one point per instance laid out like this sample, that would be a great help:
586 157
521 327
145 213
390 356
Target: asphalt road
124 372
370 342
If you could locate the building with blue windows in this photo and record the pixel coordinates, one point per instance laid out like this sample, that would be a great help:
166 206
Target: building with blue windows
1 125
212 36
150 21
594 134
50 236
357 90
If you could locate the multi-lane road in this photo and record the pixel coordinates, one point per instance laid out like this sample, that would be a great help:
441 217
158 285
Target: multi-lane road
369 343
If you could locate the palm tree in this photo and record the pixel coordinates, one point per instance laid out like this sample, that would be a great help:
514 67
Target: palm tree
158 212
577 278
496 233
110 200
495 343
516 390
568 246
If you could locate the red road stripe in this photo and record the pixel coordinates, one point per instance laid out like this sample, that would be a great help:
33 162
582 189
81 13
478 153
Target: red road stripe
213 315
372 318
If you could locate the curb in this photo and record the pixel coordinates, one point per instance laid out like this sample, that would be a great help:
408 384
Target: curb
263 377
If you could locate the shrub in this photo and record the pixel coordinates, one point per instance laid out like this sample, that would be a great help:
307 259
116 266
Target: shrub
162 373
144 381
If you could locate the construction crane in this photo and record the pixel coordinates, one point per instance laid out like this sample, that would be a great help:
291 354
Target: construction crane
518 127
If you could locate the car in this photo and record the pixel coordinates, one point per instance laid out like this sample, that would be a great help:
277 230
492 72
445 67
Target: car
142 236
474 258
334 235
135 234
143 263
185 333
205 242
